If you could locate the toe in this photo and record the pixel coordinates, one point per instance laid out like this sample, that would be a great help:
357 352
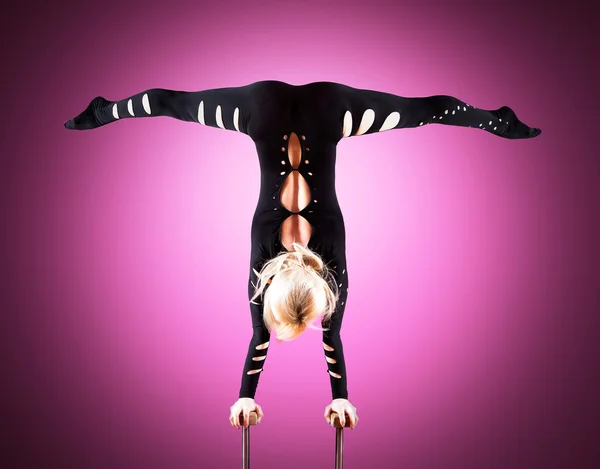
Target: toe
535 132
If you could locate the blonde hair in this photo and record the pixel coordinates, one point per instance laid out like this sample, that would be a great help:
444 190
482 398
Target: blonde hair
300 290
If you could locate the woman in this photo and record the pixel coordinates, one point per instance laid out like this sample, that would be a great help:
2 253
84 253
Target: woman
298 269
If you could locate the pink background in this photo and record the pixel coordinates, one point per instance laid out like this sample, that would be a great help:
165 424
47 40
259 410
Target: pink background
471 322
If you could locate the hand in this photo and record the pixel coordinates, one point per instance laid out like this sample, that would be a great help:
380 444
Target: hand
245 405
342 407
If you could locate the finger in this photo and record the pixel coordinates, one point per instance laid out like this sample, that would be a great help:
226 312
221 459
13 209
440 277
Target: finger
328 412
246 417
342 418
259 413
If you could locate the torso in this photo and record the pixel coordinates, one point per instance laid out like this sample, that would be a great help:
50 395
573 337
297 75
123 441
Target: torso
295 130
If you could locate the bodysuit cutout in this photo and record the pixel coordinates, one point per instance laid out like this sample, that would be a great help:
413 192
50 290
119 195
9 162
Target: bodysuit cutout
259 358
330 360
295 197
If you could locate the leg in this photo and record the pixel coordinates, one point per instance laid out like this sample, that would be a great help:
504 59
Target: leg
367 111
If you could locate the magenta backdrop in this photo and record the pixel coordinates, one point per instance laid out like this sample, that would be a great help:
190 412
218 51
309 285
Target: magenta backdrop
469 331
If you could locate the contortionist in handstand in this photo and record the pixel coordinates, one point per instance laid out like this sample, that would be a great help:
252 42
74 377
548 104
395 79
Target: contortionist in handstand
298 270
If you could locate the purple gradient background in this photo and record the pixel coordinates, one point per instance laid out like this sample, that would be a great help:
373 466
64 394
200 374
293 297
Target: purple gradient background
470 332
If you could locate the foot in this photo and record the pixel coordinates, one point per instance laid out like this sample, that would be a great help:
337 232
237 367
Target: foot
516 128
88 119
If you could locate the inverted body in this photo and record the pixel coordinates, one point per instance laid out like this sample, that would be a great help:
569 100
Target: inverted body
317 115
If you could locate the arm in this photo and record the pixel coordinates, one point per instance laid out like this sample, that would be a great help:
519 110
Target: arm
225 108
334 354
257 349
255 361
367 111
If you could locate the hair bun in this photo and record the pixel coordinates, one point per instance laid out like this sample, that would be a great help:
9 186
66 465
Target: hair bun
307 258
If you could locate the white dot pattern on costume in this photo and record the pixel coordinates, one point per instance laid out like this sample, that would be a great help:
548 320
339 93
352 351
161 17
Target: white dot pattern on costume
115 111
391 121
146 103
366 122
130 107
201 113
347 124
219 117
236 118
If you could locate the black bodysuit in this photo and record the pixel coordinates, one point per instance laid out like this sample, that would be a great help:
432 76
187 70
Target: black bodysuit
320 114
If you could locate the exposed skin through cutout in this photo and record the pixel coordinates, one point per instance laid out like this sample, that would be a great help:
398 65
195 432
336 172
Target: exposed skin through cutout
295 196
294 150
330 360
259 347
295 193
295 228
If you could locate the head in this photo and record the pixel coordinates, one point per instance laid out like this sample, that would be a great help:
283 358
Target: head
297 290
